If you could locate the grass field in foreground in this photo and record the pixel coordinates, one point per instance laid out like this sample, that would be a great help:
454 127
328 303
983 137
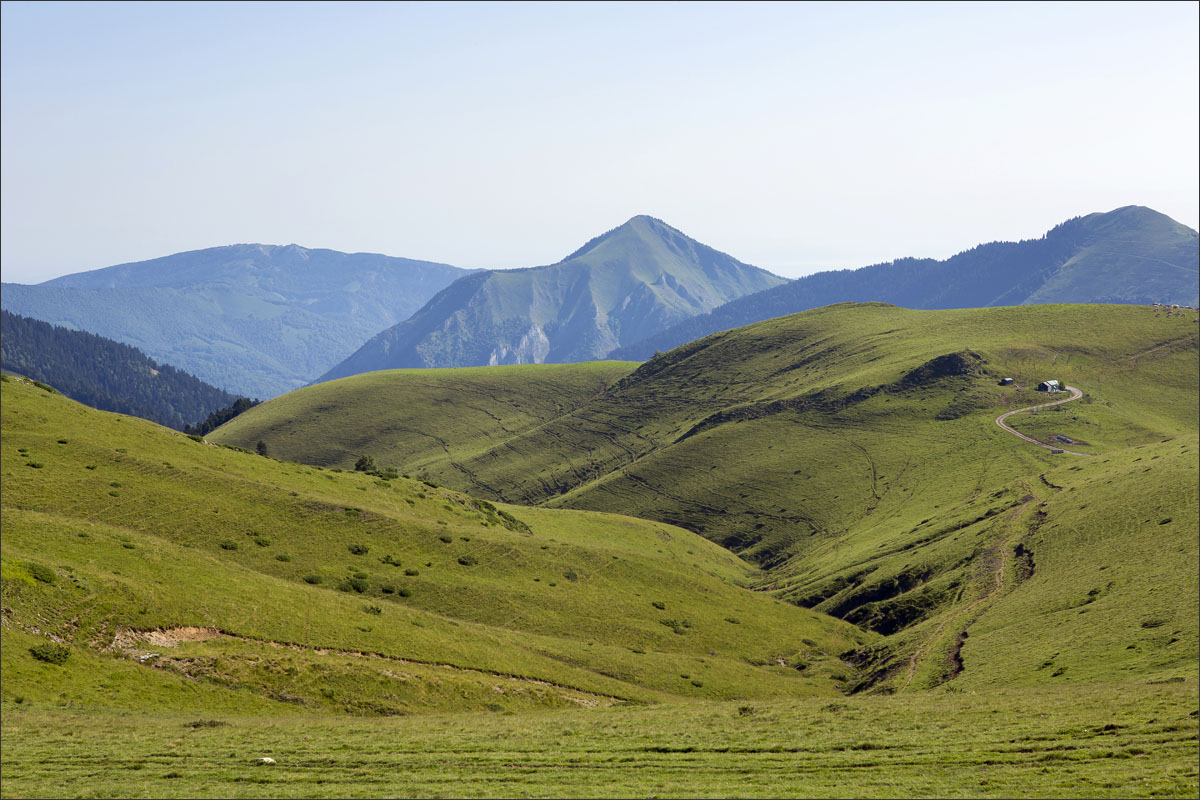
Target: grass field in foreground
1107 740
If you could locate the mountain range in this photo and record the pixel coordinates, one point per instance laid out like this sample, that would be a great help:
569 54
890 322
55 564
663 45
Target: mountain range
1130 255
261 320
617 289
253 319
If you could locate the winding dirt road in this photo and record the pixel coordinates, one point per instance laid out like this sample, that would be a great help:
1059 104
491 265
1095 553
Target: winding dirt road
1075 395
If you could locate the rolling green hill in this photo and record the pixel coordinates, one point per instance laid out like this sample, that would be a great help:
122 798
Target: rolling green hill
254 319
414 417
176 571
617 289
1129 255
851 452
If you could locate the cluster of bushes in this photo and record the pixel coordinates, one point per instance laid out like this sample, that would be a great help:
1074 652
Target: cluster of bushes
50 653
355 583
678 626
40 572
367 464
360 583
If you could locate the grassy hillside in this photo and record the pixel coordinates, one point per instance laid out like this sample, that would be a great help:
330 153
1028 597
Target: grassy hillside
851 452
418 417
210 606
163 564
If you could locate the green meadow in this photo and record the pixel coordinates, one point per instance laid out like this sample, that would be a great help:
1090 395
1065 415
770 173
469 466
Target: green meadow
797 558
1107 740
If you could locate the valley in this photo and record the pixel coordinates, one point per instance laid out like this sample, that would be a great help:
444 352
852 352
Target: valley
600 400
819 506
851 453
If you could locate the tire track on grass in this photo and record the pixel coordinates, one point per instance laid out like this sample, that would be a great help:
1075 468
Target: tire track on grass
1000 420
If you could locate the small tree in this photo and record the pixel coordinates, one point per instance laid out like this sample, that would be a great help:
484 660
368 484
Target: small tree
365 464
261 447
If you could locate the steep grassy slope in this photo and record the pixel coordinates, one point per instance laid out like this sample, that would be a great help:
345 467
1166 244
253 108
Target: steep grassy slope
250 318
619 288
851 451
418 417
163 563
1129 255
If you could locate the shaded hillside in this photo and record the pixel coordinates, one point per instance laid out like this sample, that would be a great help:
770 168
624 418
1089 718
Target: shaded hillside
617 289
851 452
1130 255
105 374
257 319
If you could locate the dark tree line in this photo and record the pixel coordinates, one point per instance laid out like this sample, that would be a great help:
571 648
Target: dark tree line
111 376
222 415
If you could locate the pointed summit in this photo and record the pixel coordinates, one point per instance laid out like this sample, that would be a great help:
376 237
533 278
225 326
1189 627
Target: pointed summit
652 247
621 286
1131 254
641 226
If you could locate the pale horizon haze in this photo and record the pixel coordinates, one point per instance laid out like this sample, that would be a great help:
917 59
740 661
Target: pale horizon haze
793 136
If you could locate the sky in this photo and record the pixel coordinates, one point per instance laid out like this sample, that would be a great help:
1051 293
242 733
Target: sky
795 137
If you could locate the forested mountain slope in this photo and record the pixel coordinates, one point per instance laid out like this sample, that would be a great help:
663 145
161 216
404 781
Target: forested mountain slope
105 374
255 319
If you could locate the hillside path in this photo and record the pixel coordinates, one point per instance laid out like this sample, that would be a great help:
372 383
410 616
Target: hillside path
1075 395
997 554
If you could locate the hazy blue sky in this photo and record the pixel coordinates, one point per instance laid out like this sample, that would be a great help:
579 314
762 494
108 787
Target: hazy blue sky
792 136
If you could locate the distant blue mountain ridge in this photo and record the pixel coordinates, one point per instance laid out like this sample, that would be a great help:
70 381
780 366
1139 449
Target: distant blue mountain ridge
254 319
1130 255
260 320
